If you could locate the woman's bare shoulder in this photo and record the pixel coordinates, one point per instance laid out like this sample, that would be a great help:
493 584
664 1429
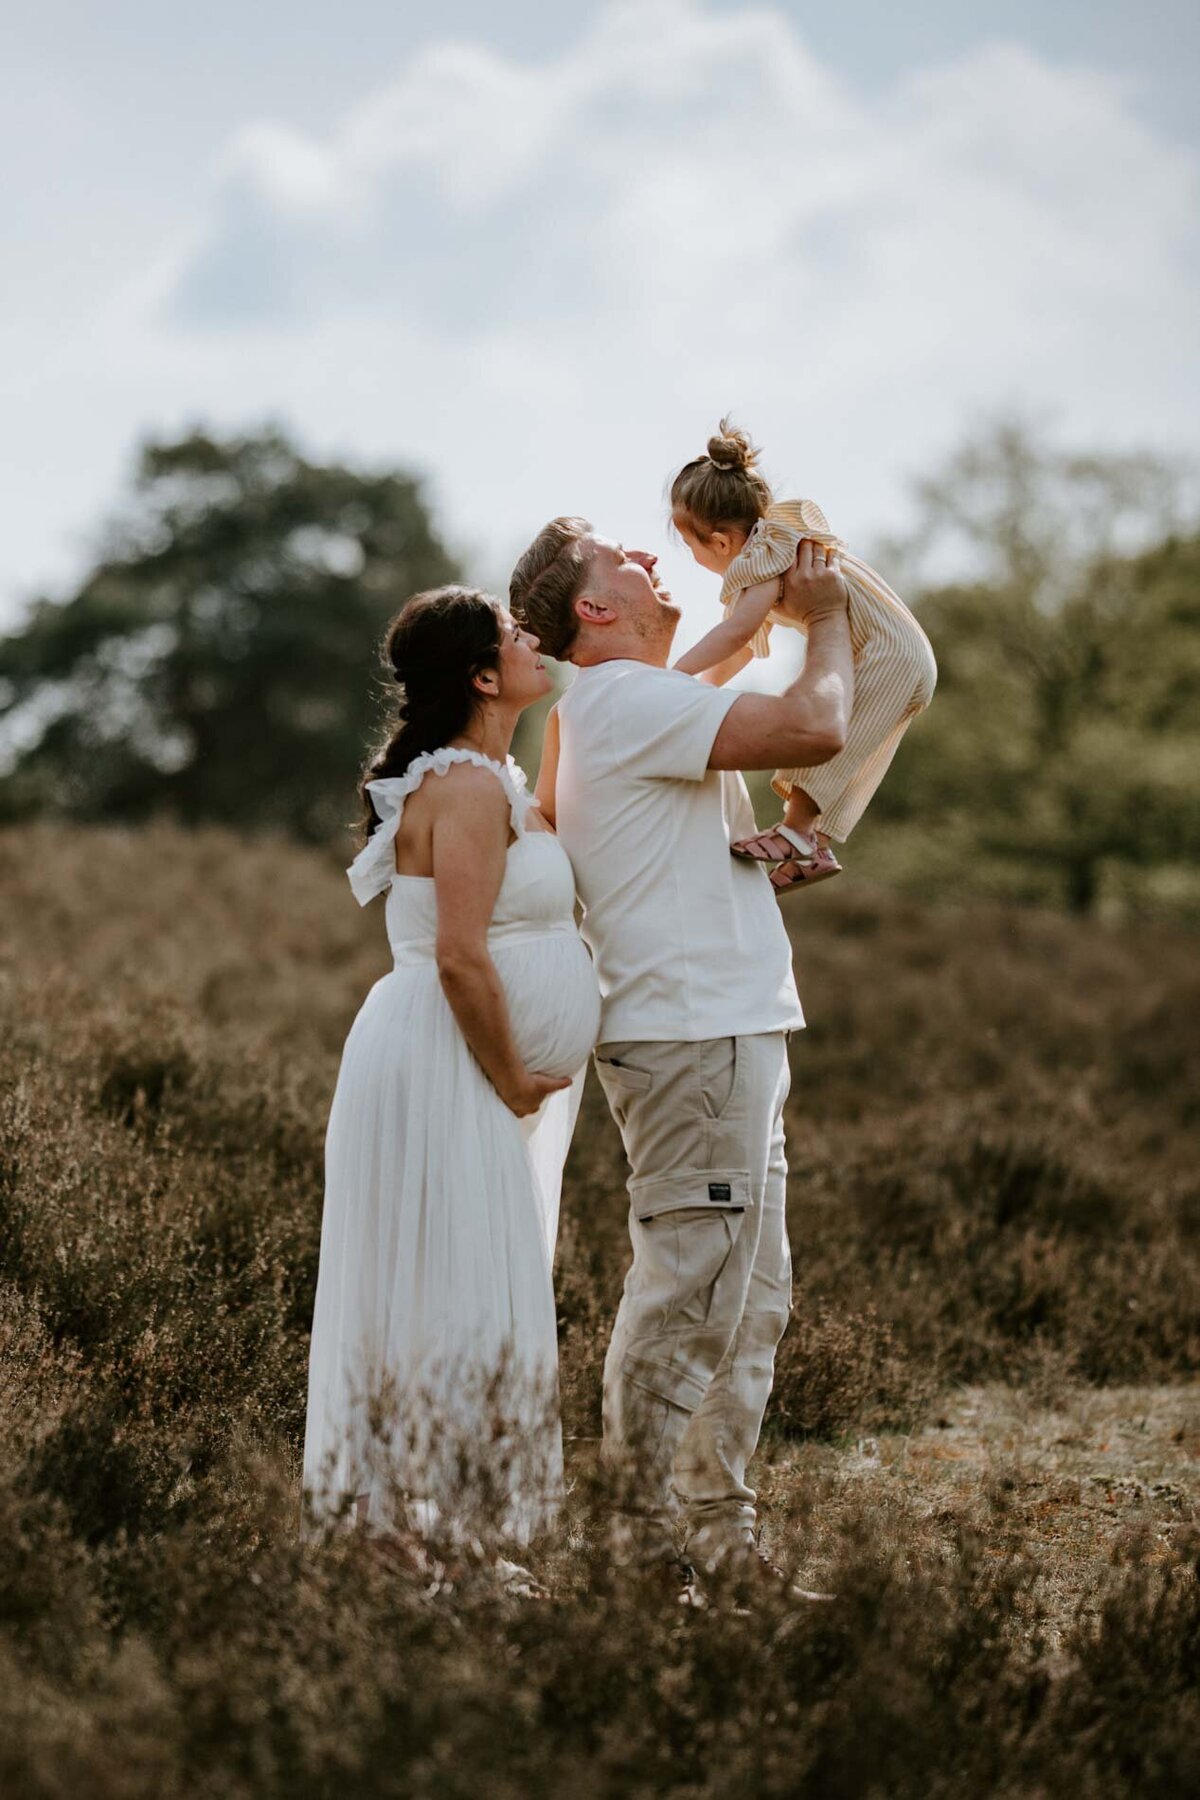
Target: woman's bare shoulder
467 787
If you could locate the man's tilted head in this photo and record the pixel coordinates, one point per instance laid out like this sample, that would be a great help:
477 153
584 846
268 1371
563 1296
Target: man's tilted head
547 581
588 599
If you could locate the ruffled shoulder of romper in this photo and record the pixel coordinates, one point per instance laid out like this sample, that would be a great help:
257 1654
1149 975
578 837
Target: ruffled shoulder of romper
805 518
372 869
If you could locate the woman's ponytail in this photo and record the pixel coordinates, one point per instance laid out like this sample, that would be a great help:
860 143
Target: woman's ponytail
433 650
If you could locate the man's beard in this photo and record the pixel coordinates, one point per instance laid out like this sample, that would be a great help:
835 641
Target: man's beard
665 606
657 629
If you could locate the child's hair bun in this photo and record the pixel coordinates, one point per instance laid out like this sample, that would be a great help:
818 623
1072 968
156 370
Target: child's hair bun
730 448
723 488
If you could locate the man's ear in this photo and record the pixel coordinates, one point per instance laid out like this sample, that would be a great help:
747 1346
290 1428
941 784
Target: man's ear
593 611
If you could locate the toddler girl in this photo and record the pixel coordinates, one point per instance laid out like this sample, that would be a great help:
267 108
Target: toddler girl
725 513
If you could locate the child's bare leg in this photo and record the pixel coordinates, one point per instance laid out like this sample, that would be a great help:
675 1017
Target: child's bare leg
801 813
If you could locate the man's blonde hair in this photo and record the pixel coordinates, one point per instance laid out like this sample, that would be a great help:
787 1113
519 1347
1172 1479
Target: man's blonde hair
548 580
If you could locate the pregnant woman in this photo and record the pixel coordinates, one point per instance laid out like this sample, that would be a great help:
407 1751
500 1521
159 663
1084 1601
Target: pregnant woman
433 1371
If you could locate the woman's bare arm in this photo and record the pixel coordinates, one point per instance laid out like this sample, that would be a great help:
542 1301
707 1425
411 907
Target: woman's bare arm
735 631
470 848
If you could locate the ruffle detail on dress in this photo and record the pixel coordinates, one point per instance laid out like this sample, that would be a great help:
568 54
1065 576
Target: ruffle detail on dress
372 869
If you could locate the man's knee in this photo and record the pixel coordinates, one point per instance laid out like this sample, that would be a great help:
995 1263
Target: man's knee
657 1373
761 1335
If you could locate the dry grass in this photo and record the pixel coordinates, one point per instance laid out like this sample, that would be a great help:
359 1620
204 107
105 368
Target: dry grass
1073 1486
981 1437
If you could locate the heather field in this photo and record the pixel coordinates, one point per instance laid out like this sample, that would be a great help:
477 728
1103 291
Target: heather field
985 1440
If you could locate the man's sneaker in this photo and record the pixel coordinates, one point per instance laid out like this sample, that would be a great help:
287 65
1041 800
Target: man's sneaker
752 1575
674 1580
519 1582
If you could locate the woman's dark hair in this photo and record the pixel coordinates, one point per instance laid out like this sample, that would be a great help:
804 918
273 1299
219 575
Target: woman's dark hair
433 650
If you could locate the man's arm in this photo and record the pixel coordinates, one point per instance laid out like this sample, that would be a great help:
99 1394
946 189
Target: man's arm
548 767
807 724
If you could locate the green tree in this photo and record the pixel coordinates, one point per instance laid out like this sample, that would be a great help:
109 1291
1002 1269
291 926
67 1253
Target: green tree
1061 756
218 663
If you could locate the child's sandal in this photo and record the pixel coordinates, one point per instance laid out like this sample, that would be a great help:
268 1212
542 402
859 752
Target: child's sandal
804 861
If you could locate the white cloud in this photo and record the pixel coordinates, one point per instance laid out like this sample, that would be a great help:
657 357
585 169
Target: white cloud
545 280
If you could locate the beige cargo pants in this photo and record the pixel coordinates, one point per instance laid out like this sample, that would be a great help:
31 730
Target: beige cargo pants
706 1300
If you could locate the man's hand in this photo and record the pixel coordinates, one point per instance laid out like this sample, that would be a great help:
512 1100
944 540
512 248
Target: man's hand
807 725
813 587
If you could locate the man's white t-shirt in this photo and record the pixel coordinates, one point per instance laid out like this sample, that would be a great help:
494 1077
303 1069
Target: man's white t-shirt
688 940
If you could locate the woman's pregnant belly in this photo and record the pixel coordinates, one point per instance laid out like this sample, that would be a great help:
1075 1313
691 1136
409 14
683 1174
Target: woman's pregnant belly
553 1001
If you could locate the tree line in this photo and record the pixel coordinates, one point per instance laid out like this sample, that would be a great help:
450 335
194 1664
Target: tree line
216 663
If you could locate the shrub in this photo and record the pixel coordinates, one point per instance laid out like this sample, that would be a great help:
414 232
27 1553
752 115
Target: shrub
991 1179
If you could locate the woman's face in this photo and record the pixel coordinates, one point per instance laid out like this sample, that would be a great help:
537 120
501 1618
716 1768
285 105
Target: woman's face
524 677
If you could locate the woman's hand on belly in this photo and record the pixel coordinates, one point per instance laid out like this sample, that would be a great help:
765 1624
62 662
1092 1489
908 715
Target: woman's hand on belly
527 1095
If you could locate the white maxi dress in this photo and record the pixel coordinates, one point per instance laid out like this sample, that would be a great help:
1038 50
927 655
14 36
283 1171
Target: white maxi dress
433 1367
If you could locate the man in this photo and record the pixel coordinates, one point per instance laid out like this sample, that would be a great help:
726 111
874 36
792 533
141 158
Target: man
639 776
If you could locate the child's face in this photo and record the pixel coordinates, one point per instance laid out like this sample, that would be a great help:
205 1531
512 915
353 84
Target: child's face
717 551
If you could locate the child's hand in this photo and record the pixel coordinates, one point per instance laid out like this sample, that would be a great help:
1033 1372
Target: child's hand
813 587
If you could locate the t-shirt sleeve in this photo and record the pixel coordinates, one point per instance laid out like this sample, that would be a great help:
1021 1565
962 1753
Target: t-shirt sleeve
667 723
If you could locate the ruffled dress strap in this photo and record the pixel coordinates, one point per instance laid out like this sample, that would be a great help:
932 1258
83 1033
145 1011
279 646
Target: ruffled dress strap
770 550
807 521
372 870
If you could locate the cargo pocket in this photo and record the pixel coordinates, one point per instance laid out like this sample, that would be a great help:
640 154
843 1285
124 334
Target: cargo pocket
689 1190
689 1223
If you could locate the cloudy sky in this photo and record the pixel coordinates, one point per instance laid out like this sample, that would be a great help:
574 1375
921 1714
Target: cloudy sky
536 251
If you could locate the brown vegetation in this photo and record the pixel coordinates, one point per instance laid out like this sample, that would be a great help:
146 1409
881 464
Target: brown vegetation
993 1212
